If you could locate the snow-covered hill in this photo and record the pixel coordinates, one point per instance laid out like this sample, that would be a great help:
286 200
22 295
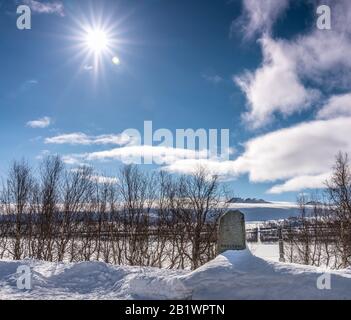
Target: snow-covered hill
232 275
267 211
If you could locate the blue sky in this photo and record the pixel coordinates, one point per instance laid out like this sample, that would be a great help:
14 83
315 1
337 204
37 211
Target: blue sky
277 82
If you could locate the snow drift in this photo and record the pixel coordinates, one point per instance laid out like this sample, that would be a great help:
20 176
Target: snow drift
232 275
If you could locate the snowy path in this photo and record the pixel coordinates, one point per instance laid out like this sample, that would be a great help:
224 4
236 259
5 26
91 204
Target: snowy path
233 275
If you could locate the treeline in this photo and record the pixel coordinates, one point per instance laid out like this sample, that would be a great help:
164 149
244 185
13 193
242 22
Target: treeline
146 219
321 235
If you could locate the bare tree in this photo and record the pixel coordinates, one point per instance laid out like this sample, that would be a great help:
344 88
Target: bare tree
49 199
76 193
200 203
16 197
322 235
138 196
339 191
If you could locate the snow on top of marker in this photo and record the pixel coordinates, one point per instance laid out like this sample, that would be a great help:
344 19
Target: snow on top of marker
241 275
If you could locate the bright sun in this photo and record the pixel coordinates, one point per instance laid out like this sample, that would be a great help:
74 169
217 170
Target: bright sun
97 41
98 45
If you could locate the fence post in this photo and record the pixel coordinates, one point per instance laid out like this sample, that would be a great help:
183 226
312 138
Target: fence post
258 234
281 245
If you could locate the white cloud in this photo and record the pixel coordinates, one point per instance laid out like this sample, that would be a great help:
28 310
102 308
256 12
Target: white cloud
316 58
224 169
88 67
337 106
298 157
101 179
275 86
136 154
259 16
302 156
32 82
79 138
104 180
301 183
39 123
26 86
74 159
42 154
215 79
55 7
305 149
321 59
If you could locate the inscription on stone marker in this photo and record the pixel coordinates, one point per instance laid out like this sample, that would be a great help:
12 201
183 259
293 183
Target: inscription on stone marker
231 232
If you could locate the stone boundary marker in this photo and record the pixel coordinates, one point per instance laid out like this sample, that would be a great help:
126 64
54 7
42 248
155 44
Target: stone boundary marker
231 232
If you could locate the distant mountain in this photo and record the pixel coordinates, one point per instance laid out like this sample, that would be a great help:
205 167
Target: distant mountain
247 200
314 203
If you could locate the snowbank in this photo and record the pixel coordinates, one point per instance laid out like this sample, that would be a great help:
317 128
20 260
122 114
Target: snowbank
241 275
232 275
90 280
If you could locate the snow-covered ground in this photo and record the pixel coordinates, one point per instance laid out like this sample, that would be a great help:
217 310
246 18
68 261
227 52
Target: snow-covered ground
269 251
232 275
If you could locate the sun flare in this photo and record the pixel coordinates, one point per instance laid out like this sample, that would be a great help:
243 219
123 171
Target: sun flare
97 44
97 41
